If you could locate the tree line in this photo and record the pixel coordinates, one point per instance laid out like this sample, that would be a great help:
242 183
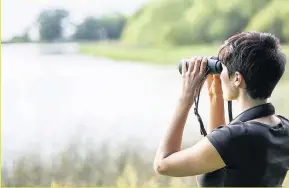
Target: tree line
51 25
171 22
185 22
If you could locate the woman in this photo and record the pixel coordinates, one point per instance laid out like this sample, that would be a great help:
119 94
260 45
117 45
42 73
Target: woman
253 153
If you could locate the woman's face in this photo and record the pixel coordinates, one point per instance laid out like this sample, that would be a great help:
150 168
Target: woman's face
230 92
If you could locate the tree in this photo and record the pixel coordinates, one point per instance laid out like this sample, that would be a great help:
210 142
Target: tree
106 27
24 37
273 18
184 22
89 29
113 25
50 24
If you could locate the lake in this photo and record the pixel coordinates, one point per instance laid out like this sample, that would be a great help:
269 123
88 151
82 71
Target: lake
52 95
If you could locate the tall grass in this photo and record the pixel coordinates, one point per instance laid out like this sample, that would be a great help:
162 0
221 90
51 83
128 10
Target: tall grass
86 165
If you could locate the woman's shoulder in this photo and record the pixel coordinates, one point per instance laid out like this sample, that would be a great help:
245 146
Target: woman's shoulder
253 128
232 131
262 131
234 128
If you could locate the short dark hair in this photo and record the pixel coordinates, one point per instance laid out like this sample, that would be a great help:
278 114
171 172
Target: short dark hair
257 56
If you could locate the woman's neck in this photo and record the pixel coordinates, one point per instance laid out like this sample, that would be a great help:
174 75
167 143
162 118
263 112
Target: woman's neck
245 102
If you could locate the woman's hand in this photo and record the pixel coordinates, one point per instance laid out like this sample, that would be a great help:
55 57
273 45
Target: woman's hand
192 77
214 86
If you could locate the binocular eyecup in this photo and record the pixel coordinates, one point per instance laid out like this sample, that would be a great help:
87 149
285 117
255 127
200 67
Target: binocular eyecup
214 66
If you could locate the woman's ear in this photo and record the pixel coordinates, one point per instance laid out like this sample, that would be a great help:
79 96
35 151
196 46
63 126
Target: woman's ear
238 79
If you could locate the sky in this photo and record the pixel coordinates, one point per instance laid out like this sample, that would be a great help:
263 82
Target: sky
17 15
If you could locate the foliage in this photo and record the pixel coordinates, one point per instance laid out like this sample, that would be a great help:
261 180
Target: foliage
89 29
113 25
88 165
50 24
273 18
20 39
170 22
186 22
106 27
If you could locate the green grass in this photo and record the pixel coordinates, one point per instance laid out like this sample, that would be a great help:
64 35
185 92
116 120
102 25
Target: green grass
165 55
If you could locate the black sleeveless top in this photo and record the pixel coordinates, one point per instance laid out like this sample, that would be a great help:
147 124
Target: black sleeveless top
255 154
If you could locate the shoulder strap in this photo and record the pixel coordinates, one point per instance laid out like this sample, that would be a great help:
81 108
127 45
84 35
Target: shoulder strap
255 112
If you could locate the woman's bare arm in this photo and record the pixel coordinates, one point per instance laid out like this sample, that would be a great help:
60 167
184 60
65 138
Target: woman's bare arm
170 159
217 112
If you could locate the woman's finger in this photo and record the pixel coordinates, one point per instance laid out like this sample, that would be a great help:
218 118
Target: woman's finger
192 64
184 68
203 66
197 65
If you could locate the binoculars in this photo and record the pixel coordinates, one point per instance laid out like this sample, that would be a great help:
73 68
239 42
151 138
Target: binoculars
214 66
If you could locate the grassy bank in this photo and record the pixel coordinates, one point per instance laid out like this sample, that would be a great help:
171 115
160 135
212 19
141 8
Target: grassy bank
165 55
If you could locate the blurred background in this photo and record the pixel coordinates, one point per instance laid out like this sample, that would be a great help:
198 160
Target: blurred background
89 87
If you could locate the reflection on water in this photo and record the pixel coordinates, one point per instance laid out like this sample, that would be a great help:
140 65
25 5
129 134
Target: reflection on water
51 94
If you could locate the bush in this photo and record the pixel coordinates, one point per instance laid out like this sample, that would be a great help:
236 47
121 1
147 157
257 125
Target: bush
88 165
273 18
183 22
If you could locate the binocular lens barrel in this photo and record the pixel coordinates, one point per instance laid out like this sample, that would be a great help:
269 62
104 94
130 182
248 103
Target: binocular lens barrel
214 66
